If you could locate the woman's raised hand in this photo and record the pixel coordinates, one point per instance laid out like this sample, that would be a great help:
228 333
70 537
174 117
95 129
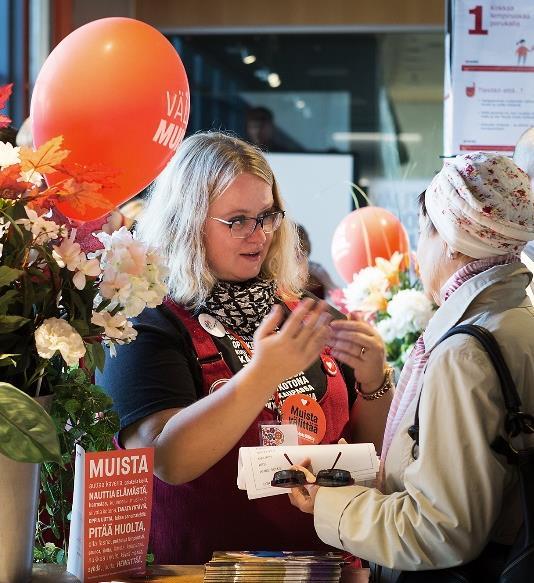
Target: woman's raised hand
299 342
359 345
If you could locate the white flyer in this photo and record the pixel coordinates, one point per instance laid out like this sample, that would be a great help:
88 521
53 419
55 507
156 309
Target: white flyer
257 465
489 75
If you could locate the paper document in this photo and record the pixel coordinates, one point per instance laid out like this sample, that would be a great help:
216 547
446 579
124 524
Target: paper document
257 465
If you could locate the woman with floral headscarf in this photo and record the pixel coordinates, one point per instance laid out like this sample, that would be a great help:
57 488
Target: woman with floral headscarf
457 497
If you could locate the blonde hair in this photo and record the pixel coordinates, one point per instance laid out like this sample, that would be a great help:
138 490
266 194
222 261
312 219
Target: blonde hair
202 168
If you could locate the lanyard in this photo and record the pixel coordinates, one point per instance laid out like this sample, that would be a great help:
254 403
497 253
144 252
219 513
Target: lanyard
246 348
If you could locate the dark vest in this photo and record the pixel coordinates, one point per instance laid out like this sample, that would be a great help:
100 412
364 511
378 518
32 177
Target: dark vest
208 514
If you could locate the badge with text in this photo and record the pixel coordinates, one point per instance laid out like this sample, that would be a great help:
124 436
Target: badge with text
329 366
278 434
307 415
211 325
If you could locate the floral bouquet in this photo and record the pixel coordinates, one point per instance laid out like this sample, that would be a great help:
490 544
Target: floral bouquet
60 298
388 298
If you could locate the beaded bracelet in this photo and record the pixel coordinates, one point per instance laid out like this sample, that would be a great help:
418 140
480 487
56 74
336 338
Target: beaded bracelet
387 384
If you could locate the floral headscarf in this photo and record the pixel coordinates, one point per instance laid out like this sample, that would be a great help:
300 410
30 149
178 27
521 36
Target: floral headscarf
482 205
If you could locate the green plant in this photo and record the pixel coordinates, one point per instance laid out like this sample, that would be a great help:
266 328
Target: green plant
82 415
58 303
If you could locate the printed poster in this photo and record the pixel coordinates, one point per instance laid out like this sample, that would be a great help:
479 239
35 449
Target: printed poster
111 513
489 75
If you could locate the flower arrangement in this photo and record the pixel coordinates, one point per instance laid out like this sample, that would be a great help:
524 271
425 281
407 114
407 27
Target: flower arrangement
388 298
59 300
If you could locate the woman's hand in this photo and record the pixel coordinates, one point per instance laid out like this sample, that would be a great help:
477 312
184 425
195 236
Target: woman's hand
304 496
360 346
281 355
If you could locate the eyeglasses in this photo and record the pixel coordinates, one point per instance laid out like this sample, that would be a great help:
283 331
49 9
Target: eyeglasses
243 227
331 478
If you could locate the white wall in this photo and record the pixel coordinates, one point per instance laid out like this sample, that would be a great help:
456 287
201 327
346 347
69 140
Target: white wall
316 190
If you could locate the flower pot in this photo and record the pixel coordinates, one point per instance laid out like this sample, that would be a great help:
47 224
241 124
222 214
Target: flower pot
19 491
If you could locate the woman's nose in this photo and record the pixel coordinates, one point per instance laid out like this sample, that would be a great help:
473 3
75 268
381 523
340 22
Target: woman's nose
258 234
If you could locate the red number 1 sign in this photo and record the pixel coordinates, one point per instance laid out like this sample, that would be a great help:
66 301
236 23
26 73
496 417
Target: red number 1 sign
477 13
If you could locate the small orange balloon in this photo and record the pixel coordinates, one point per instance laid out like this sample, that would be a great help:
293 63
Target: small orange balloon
117 91
364 235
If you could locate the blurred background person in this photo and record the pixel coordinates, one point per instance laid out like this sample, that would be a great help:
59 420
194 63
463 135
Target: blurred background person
261 131
319 282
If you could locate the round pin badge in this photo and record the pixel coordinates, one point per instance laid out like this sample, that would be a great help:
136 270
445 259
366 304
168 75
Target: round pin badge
329 366
211 325
307 415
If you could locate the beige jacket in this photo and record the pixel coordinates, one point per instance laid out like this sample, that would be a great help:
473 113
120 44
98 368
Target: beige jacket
442 509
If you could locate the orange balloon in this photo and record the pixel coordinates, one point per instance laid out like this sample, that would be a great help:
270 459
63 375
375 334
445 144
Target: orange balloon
117 91
364 235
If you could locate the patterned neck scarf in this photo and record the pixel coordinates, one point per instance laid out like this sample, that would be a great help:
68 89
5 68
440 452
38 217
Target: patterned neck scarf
410 378
241 306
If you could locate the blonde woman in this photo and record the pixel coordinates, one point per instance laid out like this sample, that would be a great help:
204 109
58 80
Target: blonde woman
224 353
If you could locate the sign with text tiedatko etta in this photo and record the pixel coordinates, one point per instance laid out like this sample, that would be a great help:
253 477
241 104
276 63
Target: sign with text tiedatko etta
110 513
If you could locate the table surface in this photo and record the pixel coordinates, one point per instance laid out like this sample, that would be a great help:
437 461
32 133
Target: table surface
161 573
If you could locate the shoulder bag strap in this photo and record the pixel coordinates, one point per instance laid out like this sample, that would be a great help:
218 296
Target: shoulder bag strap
516 421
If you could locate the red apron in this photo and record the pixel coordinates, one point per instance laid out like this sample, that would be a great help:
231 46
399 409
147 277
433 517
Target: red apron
208 514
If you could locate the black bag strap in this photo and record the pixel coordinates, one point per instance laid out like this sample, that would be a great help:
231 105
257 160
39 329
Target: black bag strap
516 421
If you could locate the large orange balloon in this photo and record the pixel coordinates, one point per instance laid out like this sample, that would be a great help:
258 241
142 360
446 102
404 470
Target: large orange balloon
364 235
117 91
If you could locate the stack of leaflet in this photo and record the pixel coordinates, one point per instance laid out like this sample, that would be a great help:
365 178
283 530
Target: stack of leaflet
274 566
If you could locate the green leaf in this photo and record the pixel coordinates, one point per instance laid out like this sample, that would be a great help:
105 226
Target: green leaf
8 274
7 299
96 356
11 323
6 360
78 303
27 433
72 406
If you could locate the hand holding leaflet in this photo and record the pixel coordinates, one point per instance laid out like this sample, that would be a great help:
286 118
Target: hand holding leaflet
257 465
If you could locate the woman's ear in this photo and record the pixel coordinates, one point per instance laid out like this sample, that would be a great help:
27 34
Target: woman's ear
451 254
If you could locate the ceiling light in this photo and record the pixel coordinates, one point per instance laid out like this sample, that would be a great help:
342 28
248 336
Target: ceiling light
249 59
376 137
274 80
300 104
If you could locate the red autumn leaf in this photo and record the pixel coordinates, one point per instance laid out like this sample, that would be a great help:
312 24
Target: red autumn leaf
83 194
88 173
45 158
10 186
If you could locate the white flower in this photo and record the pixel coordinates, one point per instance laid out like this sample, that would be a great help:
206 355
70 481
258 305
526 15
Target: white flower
55 334
42 230
367 291
387 330
86 268
410 311
116 327
68 254
31 176
9 155
133 274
